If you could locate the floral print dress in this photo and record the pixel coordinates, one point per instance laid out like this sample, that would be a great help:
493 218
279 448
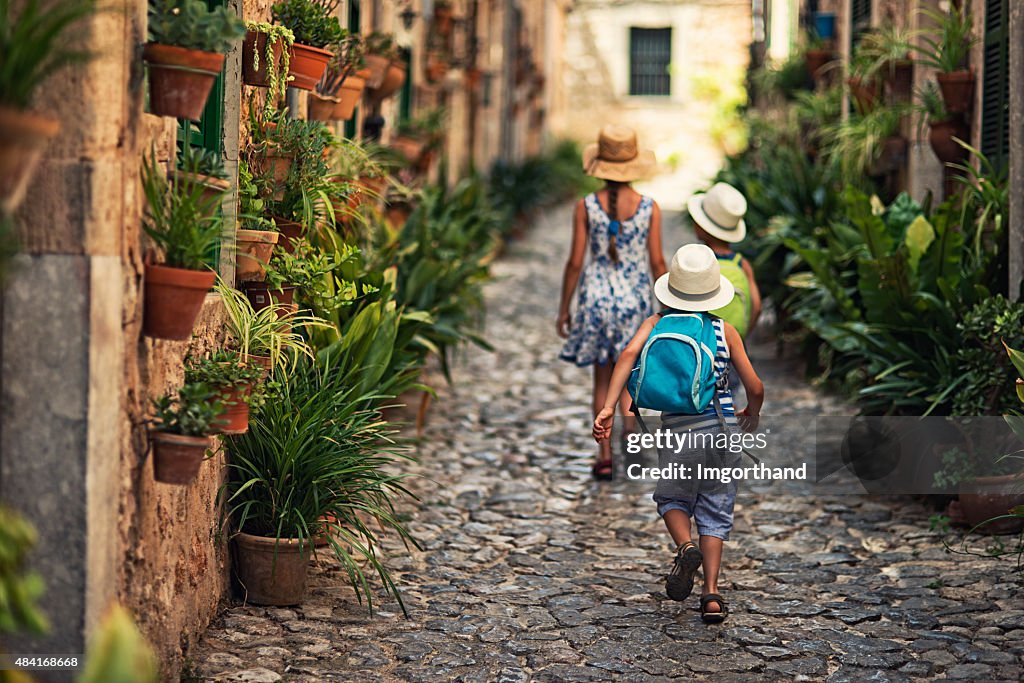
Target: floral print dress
614 298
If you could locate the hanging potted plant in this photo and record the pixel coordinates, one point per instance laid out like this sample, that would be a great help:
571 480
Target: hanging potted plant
202 167
947 48
32 46
300 272
313 457
186 53
181 432
818 53
234 383
257 235
944 128
864 82
380 52
888 50
315 28
266 57
182 221
393 77
342 84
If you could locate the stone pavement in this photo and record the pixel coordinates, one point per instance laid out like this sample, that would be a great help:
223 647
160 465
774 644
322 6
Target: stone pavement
532 572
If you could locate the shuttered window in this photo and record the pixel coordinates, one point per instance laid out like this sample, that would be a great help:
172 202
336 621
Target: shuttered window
860 20
354 26
650 54
995 83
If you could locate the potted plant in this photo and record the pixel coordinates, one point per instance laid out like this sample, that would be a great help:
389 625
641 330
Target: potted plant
33 46
186 53
819 52
889 48
436 66
266 58
264 336
418 139
865 145
944 128
301 271
312 462
342 84
315 28
947 49
257 234
864 82
204 168
380 52
181 432
234 383
182 221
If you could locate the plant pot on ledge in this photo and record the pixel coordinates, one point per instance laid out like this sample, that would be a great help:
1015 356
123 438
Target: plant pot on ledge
23 137
271 571
307 66
173 298
957 90
865 93
177 458
180 79
940 137
321 108
253 249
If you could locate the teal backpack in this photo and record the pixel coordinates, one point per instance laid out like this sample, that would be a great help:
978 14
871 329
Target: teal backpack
738 311
676 371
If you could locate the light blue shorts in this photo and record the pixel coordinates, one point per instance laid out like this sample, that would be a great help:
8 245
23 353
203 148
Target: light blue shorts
712 511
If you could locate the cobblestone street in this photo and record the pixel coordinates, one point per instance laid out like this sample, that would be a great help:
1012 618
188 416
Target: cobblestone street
530 571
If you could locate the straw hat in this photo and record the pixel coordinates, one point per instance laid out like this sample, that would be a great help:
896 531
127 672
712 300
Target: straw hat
694 281
615 156
720 212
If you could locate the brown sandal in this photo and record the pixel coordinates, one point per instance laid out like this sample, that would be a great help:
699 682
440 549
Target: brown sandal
603 470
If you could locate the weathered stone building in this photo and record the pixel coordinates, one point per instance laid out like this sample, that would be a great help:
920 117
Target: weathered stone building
78 376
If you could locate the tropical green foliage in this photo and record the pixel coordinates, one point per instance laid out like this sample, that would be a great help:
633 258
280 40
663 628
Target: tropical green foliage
195 411
20 588
201 161
311 21
315 452
948 42
35 43
222 369
119 653
191 24
183 223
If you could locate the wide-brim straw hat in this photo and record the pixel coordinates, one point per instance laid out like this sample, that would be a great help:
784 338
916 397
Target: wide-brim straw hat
694 281
720 212
617 157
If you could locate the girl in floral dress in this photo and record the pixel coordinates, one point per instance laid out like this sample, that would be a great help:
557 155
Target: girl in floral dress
621 230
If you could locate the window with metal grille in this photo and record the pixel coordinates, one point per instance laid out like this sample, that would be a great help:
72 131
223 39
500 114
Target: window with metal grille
860 20
995 84
650 54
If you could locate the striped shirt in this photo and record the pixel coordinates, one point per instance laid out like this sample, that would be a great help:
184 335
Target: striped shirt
708 418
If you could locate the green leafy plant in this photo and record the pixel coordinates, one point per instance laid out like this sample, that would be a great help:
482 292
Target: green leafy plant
985 329
886 46
20 589
382 44
314 453
223 370
8 247
311 21
119 653
191 24
855 145
930 105
272 331
201 161
195 411
348 58
428 126
183 223
785 79
251 206
34 44
277 69
947 46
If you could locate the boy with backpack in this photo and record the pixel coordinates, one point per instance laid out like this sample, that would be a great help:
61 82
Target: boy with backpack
678 362
718 222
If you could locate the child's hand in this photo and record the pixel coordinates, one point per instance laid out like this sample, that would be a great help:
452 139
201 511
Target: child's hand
562 325
603 424
748 422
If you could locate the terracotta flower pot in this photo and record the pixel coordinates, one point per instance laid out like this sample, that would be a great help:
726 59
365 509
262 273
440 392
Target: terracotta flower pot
437 69
265 363
899 77
290 230
261 295
255 48
393 80
377 66
940 137
173 298
891 157
865 94
321 108
957 90
307 66
253 249
236 409
277 164
23 137
180 79
815 60
271 571
176 458
410 148
212 187
349 96
443 20
984 498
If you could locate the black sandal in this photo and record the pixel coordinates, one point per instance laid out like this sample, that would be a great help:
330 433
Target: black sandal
603 470
679 583
713 617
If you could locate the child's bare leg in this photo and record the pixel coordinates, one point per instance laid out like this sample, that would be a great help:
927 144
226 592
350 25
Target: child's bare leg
711 548
602 377
678 524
